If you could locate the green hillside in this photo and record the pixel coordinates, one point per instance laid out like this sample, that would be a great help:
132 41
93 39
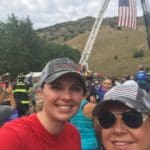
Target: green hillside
110 43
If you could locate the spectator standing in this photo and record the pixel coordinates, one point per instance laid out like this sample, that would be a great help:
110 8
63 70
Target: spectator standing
92 96
141 73
5 113
84 121
103 87
21 94
62 90
7 103
141 78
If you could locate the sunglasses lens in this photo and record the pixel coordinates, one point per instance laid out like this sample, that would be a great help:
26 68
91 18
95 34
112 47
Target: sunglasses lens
132 119
106 119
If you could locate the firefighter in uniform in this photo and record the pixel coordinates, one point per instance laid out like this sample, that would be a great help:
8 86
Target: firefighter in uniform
21 94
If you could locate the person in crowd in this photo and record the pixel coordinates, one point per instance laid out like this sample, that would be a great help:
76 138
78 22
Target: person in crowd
89 78
21 94
84 121
124 118
62 89
36 104
7 103
103 87
92 96
141 78
34 88
5 114
116 81
141 73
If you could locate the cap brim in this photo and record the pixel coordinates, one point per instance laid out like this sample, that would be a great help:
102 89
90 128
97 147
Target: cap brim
104 105
59 74
131 104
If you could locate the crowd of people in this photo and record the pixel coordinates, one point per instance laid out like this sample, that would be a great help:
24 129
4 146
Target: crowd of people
67 109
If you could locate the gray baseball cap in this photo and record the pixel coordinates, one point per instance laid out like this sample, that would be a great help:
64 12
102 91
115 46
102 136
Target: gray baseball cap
5 113
130 95
58 67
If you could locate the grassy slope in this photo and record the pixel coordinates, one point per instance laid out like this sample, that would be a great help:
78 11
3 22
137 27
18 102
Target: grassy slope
112 42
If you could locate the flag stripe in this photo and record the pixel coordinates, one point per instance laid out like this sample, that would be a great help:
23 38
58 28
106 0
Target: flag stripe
127 13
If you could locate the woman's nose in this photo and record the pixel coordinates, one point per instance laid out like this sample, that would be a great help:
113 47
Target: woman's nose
119 127
66 94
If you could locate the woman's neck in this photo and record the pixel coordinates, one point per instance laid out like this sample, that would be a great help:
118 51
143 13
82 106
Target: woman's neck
52 126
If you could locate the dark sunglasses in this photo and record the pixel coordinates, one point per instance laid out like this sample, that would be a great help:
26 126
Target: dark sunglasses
132 119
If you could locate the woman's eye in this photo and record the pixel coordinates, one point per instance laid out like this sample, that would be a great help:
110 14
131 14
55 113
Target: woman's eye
56 87
76 88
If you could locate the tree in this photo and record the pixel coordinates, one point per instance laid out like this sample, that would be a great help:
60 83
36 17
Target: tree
52 50
21 50
20 47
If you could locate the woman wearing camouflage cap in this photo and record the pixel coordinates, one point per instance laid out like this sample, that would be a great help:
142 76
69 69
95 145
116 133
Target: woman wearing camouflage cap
62 89
123 118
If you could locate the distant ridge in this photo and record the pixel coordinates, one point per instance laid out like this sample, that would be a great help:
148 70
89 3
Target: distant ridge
67 30
112 42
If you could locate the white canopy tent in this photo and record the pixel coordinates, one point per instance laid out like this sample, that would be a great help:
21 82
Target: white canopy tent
33 74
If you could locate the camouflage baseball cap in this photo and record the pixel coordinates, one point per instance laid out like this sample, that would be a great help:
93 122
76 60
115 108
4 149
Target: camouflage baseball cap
58 67
130 95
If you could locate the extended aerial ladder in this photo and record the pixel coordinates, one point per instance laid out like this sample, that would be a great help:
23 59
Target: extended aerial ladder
146 14
93 34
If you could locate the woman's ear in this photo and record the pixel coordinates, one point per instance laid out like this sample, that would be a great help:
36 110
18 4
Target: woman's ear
39 93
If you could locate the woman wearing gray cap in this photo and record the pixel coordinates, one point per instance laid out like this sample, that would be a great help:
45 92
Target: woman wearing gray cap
123 118
62 89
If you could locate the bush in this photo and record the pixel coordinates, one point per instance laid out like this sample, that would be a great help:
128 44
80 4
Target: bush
138 54
115 57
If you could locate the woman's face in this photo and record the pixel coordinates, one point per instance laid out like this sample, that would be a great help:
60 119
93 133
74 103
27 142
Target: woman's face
121 137
107 84
61 98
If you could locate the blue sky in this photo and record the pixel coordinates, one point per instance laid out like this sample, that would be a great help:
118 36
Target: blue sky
44 13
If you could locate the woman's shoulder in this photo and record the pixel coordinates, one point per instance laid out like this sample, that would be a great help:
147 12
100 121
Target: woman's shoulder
88 109
20 123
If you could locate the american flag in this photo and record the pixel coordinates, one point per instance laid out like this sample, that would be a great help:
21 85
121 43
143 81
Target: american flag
127 13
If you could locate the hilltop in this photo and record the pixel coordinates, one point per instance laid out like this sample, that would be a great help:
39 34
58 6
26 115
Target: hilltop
112 54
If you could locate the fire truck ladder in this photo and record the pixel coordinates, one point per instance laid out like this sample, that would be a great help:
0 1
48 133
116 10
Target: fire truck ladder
93 34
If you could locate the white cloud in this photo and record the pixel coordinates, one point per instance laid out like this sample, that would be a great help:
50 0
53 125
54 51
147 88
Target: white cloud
48 12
